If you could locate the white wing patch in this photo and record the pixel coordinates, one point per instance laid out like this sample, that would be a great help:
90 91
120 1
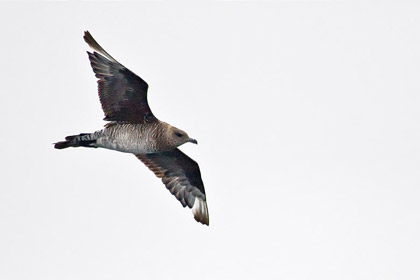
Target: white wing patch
200 211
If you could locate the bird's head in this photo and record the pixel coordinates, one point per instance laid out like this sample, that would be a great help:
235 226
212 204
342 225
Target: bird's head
178 137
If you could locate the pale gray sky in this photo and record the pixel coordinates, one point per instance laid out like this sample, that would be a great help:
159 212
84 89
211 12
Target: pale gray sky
307 116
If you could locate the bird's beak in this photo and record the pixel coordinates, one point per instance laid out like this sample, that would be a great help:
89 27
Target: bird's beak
193 141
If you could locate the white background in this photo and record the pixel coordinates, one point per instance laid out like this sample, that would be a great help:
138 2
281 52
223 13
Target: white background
307 117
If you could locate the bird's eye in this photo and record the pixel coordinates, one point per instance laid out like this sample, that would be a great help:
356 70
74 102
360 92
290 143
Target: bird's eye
178 134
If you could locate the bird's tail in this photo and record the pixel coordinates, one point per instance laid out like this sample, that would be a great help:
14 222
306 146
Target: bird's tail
81 140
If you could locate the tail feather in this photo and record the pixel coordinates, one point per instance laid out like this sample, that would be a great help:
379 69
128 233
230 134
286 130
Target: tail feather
81 140
62 145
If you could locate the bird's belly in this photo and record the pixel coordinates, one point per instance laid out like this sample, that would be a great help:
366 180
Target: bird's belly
126 144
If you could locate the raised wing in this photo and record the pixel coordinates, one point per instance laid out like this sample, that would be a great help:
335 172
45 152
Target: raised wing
181 176
123 94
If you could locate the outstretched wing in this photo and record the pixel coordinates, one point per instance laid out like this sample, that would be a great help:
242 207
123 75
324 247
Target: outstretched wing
123 94
181 176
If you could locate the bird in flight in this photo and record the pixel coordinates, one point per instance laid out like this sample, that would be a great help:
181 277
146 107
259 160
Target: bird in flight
132 128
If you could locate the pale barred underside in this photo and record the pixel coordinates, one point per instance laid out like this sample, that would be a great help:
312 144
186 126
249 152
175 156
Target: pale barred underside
132 138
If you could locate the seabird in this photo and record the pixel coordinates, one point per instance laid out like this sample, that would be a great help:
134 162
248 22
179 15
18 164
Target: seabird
132 128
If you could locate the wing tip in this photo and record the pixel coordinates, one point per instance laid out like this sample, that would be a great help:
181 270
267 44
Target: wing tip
88 37
200 211
95 46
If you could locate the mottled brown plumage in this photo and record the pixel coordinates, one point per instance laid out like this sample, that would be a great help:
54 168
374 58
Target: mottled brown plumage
134 129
